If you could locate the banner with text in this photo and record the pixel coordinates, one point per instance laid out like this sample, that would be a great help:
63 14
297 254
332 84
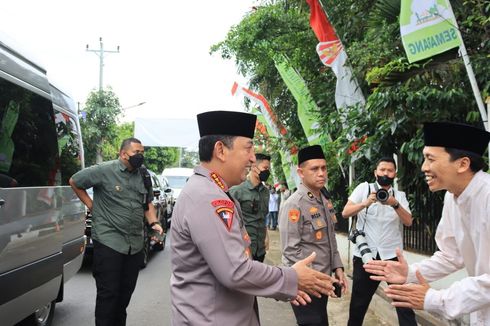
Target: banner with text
427 28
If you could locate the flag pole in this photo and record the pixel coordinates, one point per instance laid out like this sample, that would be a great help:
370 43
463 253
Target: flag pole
471 77
474 85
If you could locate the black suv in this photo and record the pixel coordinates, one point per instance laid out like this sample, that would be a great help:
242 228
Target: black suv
161 203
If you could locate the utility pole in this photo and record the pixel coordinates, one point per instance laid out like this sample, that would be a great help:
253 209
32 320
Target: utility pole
100 53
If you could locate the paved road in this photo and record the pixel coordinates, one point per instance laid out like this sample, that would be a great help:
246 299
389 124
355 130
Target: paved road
150 304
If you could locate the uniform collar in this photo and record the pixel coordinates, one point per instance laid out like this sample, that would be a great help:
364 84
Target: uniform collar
211 175
251 186
121 166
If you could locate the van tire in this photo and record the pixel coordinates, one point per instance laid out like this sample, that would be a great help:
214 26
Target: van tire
42 317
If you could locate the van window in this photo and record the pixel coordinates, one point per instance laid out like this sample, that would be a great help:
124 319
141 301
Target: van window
28 141
68 146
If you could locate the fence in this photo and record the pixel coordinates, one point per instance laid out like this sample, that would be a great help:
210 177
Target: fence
426 211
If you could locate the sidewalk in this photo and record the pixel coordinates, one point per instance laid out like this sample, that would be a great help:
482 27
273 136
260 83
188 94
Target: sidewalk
338 309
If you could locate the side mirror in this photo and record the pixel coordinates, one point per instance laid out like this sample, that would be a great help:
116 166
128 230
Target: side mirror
156 193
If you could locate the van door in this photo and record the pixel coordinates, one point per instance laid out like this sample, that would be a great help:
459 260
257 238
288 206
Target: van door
30 217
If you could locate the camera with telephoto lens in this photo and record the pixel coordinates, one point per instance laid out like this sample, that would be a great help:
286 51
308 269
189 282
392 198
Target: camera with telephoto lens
357 237
382 195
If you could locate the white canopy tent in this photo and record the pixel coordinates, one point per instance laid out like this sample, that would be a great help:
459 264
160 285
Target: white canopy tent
167 132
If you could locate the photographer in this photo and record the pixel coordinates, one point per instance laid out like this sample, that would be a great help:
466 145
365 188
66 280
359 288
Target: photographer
381 210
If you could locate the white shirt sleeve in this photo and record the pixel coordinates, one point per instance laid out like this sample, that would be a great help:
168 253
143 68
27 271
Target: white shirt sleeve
444 261
402 199
462 297
360 193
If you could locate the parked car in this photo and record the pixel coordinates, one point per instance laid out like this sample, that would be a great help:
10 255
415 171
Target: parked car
163 204
170 198
162 208
41 218
177 178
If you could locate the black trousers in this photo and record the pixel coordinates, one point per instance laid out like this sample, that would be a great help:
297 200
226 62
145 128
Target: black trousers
115 277
313 314
363 289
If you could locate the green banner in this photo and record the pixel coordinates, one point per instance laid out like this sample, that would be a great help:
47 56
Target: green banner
301 93
427 28
286 160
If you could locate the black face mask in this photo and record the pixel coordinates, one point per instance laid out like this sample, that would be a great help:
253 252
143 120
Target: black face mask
264 175
384 180
136 160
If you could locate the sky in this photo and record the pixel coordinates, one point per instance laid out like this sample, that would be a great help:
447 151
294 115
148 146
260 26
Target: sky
164 58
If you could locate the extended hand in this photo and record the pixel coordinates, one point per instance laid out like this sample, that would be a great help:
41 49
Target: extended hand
409 295
311 281
302 299
388 270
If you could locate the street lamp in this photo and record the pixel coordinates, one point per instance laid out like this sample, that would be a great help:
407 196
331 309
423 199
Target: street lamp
133 106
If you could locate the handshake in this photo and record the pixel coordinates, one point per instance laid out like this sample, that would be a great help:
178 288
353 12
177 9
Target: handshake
312 282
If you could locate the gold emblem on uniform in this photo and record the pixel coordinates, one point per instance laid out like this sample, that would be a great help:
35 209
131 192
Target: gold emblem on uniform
118 188
318 222
293 215
318 235
313 210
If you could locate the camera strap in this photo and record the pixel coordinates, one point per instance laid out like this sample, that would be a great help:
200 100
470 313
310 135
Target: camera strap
354 218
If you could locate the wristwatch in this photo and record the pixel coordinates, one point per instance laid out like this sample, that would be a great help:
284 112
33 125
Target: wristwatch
396 206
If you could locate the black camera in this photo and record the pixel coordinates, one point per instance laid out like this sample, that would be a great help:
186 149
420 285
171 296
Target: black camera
382 195
357 237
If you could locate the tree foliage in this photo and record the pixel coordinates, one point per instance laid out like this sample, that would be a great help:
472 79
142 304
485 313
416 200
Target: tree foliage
399 95
99 125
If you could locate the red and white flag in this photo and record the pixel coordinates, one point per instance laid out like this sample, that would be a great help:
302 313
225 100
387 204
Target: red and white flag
332 54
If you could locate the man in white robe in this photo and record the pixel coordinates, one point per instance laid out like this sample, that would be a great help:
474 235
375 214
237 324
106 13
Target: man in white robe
453 162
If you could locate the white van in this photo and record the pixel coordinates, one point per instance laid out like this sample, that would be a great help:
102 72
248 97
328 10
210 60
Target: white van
177 178
41 219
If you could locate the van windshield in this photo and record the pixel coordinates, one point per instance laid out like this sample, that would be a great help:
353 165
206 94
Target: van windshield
177 181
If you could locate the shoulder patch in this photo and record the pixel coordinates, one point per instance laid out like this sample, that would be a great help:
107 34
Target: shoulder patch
293 215
222 203
226 216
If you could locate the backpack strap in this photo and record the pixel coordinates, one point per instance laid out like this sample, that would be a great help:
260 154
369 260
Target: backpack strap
145 175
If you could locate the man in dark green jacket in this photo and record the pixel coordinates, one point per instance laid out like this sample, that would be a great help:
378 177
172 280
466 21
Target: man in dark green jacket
253 197
119 206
